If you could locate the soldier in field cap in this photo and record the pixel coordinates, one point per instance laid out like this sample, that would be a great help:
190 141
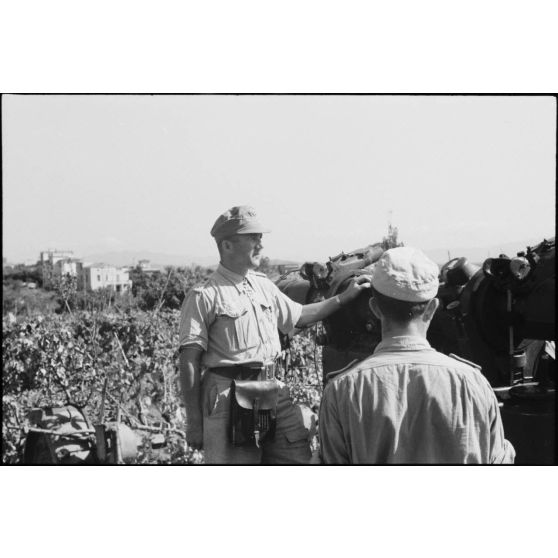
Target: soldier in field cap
240 219
408 403
228 330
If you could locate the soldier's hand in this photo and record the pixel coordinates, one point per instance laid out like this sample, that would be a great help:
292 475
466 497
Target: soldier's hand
356 286
194 437
194 433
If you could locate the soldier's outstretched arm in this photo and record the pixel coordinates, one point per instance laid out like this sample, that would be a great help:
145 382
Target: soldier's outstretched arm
318 311
190 375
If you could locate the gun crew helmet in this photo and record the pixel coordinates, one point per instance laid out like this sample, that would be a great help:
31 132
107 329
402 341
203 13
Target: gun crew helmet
407 274
240 219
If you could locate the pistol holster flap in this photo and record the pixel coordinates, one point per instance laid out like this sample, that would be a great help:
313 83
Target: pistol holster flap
264 392
253 411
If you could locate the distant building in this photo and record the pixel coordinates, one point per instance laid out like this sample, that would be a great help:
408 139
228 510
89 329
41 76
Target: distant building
99 276
56 264
146 267
47 263
52 256
67 266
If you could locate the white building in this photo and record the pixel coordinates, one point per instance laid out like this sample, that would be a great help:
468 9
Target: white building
67 266
100 275
49 259
52 256
90 277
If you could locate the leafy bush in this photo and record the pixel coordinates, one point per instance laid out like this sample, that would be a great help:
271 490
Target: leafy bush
26 274
19 299
66 358
166 289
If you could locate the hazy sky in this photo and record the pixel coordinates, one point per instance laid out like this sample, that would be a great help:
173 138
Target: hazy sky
110 173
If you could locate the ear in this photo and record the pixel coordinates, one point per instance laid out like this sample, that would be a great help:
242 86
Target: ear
373 305
430 310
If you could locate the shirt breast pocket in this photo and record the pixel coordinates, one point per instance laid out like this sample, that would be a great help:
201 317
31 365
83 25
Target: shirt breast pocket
230 322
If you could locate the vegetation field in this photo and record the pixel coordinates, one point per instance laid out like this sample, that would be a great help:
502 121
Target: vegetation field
70 357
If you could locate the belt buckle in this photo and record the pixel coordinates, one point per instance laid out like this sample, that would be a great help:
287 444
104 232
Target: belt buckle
265 371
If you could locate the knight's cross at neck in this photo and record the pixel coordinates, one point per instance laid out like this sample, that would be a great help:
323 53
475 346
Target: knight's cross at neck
247 289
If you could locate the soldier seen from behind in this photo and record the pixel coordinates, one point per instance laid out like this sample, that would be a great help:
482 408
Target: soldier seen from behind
408 403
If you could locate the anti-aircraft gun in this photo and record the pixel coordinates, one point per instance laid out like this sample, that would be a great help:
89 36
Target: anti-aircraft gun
352 332
500 315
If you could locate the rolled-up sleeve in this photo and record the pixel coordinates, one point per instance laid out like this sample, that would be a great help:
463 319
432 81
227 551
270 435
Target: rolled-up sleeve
332 441
288 311
194 320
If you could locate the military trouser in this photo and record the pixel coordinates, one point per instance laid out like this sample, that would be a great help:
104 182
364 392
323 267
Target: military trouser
296 424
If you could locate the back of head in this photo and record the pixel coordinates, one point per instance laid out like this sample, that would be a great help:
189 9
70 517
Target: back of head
404 281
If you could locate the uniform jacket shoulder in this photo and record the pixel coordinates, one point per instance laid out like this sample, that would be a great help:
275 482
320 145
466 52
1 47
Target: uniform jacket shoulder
207 286
468 370
201 287
198 289
471 373
465 361
336 374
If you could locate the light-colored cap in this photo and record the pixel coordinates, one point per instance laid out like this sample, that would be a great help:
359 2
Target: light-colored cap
240 219
406 273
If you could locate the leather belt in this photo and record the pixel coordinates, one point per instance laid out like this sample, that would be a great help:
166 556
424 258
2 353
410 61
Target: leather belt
240 372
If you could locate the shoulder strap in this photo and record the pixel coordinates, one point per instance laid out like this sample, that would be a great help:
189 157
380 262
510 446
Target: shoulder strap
465 361
334 373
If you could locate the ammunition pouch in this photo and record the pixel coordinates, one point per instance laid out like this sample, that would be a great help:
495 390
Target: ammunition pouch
253 414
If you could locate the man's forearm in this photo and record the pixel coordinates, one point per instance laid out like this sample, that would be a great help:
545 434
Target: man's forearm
318 311
190 373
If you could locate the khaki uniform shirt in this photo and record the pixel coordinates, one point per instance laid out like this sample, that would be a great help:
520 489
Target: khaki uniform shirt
408 403
234 324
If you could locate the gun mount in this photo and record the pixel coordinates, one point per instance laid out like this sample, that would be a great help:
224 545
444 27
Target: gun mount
500 315
353 332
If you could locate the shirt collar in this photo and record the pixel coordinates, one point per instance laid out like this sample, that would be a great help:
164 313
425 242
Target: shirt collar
235 278
403 343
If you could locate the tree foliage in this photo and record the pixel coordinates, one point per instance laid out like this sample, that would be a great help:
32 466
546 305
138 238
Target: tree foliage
167 289
26 274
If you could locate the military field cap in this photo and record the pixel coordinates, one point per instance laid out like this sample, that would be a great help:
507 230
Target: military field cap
240 219
406 273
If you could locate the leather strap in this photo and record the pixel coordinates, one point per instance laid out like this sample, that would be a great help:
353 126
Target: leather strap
239 372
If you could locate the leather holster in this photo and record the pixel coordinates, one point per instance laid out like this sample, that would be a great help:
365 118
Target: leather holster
253 414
